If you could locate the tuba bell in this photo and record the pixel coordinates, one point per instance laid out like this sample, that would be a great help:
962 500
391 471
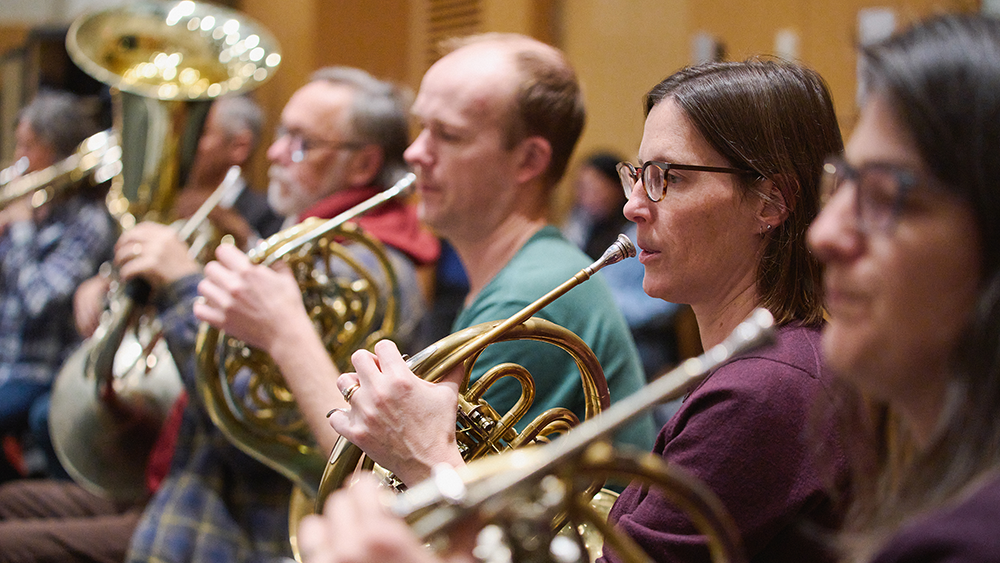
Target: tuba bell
165 62
526 494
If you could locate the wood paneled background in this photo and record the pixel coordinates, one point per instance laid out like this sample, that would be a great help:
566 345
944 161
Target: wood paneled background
620 48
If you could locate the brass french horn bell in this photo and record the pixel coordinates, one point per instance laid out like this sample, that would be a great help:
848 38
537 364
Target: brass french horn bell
350 292
482 431
165 63
525 494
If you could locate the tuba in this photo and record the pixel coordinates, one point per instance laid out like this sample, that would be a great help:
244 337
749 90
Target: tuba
526 494
350 291
165 62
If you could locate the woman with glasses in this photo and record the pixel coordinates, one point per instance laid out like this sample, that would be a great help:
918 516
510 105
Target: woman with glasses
730 161
911 245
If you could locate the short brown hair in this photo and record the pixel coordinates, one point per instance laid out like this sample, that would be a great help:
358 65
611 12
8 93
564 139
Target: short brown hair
777 119
549 102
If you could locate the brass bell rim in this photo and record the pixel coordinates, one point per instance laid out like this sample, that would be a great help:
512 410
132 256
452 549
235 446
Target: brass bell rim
181 14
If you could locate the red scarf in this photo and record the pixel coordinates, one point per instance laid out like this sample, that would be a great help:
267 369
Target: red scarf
158 464
394 223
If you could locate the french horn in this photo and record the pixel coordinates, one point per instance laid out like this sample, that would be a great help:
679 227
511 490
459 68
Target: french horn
524 494
481 430
129 379
351 293
165 62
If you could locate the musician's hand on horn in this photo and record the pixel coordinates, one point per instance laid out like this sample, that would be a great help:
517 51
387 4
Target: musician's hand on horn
88 303
356 527
153 252
254 303
402 422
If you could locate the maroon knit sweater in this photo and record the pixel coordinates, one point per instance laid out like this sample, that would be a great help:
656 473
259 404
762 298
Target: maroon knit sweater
750 432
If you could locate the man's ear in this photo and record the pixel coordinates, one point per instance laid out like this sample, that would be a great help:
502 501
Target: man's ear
365 165
774 208
240 147
535 155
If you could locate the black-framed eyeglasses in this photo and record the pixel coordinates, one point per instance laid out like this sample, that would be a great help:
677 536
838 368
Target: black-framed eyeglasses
300 144
654 175
880 191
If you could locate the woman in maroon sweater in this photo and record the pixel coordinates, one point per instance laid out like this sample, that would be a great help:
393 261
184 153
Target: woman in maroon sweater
725 241
911 242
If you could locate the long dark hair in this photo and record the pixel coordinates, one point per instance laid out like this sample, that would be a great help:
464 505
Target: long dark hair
777 119
941 78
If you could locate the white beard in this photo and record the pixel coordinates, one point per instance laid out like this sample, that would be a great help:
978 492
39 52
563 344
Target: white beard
284 194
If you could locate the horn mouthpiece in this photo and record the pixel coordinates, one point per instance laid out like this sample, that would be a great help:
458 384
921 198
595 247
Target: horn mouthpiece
618 251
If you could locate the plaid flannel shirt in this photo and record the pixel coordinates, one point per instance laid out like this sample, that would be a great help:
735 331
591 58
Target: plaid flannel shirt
217 504
41 266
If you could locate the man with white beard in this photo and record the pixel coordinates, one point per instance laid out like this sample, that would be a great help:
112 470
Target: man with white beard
340 141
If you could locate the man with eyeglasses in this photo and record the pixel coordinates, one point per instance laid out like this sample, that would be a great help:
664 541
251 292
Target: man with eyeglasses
340 142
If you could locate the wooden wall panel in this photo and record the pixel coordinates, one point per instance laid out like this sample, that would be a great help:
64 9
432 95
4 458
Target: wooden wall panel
826 30
619 47
620 50
315 33
12 36
369 35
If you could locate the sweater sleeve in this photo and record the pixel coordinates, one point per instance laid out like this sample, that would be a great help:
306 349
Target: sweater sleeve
742 433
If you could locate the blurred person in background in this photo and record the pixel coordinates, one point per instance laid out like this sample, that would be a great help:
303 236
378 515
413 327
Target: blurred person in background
910 242
45 254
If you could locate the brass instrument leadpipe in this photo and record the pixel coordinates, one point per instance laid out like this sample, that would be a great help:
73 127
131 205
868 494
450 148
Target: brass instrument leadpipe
401 187
197 219
99 154
191 231
441 502
618 251
14 170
